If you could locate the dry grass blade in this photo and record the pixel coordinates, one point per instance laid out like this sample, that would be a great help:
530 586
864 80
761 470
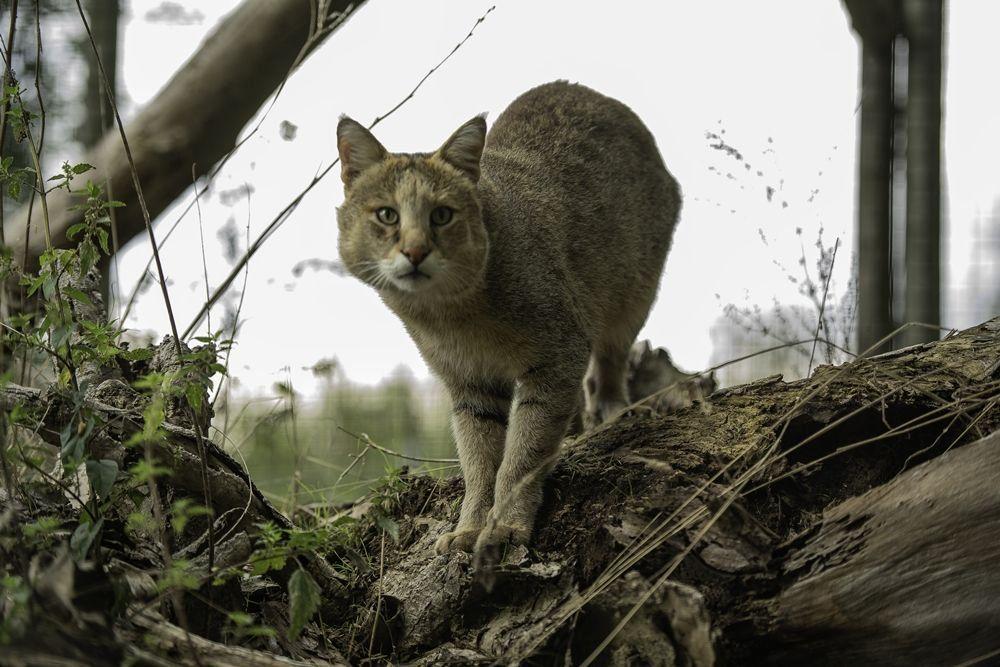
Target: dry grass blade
822 307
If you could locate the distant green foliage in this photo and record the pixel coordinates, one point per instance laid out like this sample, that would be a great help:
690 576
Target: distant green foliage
399 414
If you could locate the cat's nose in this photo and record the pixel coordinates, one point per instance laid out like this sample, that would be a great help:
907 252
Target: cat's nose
416 254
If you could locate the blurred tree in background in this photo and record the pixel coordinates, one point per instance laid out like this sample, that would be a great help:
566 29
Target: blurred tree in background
901 64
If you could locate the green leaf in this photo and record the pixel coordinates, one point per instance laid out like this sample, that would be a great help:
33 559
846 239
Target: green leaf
88 255
389 526
138 354
102 237
182 511
82 168
262 563
75 229
102 475
78 295
303 601
83 538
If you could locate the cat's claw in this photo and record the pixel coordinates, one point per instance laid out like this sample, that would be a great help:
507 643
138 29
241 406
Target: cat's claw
456 540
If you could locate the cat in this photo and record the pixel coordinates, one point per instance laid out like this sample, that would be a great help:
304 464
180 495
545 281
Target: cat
523 263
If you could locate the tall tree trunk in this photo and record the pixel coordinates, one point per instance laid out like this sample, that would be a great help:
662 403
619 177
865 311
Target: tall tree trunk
97 116
103 16
875 23
194 120
922 25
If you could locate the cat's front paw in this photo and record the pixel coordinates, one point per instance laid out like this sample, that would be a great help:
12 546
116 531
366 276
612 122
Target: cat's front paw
456 540
498 535
605 411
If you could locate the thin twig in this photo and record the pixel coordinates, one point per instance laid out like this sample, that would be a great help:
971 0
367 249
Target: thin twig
364 437
822 308
201 236
283 215
215 170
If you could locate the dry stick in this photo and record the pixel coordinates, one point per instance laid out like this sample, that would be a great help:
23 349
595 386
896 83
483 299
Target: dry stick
659 582
735 491
348 469
280 218
41 145
640 541
246 508
822 308
154 498
195 422
214 171
982 413
7 80
979 659
654 539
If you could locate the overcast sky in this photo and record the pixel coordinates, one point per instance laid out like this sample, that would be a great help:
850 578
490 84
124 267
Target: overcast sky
780 77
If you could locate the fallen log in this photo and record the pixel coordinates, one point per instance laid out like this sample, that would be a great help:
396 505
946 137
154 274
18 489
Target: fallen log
904 574
765 563
844 518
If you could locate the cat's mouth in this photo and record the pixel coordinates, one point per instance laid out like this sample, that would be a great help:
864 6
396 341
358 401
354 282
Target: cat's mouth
415 275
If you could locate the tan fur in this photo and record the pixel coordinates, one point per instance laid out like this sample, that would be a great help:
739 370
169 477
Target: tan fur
546 272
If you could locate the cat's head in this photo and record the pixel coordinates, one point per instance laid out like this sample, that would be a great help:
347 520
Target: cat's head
412 223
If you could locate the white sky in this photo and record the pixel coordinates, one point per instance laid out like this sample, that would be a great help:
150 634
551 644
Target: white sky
779 76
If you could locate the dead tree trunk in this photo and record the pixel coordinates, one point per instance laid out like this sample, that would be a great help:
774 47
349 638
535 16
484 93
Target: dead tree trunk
194 120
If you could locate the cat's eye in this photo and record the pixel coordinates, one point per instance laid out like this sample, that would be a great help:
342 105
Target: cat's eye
387 216
441 216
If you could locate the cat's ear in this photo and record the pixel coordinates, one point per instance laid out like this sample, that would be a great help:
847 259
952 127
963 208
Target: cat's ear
464 148
358 148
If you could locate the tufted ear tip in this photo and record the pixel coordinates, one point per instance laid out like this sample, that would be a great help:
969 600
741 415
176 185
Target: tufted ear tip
464 148
358 148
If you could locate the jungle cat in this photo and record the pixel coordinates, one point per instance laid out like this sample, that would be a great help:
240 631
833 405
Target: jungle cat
521 262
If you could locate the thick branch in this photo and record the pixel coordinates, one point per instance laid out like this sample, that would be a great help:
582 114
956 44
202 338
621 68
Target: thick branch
194 120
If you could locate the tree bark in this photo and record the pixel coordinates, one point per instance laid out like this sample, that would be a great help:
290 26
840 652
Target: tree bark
194 120
904 574
922 25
